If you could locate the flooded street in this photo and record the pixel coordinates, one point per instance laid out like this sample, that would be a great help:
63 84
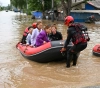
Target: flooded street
18 72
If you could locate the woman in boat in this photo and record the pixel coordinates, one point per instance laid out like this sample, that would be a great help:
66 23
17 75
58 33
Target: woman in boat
35 33
42 38
55 35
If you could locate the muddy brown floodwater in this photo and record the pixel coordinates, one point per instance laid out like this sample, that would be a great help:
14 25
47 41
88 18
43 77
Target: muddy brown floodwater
18 72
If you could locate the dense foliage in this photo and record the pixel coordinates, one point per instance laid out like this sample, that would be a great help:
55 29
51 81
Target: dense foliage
43 5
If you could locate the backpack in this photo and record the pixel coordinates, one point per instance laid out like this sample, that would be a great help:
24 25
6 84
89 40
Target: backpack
80 35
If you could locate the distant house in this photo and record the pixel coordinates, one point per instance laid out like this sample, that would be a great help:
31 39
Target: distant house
82 15
74 1
90 8
78 5
92 5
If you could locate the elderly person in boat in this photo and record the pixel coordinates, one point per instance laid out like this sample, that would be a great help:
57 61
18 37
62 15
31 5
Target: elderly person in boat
42 38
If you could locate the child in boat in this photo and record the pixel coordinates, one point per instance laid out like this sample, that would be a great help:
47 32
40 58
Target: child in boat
23 40
42 38
55 35
28 38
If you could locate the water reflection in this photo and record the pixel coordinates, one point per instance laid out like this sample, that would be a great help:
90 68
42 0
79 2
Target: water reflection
18 72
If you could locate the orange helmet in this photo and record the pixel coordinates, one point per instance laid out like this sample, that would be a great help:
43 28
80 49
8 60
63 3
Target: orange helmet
34 25
68 20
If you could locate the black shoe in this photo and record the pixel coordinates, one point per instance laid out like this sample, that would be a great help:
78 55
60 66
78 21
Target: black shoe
74 64
67 66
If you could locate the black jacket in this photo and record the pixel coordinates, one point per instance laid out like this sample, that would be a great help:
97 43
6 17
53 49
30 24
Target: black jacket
57 36
70 33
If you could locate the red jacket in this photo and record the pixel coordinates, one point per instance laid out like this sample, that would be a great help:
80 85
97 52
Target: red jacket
25 32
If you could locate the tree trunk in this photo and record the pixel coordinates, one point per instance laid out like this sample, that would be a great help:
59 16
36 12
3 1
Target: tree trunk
66 6
43 9
69 3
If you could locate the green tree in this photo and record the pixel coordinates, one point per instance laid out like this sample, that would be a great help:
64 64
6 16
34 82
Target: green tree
19 4
40 5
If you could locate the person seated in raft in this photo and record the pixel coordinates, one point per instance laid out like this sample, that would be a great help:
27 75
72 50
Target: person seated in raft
35 33
28 38
55 35
42 38
23 40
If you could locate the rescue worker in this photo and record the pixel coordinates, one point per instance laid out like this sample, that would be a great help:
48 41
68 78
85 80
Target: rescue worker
79 44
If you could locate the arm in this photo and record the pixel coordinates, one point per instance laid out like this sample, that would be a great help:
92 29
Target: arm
27 40
47 40
50 36
68 39
66 42
40 37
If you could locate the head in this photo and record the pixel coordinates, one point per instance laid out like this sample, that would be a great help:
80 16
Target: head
92 16
39 25
48 29
34 25
53 29
30 29
69 20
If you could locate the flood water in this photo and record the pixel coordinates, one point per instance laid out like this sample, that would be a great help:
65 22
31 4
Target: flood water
18 72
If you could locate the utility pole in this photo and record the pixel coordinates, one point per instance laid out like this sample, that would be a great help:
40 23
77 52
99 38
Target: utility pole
52 11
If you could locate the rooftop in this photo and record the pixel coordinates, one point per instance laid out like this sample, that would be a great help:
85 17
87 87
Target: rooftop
95 3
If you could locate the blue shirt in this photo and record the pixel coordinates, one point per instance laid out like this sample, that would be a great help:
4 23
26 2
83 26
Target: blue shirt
41 38
34 35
